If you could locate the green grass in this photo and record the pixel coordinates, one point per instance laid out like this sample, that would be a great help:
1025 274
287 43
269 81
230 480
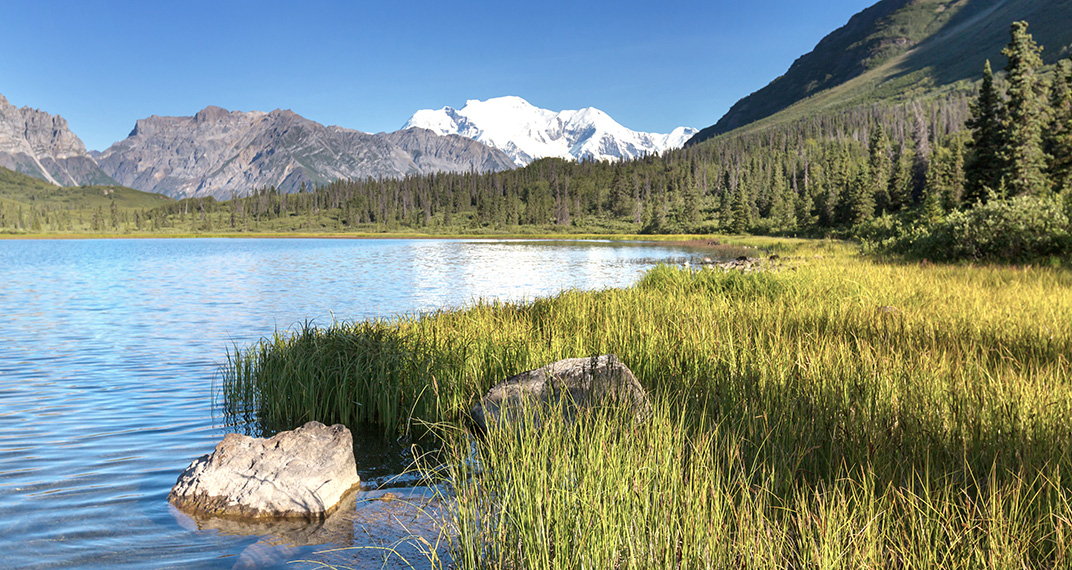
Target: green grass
33 207
841 413
20 188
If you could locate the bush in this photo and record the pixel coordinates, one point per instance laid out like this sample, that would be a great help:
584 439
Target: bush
1020 230
880 232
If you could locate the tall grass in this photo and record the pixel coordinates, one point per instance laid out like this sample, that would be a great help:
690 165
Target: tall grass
841 413
679 494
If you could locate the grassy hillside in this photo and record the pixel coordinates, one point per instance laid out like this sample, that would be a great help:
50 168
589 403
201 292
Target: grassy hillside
29 204
897 50
17 187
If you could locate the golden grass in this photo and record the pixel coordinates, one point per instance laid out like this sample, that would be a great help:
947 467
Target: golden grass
838 413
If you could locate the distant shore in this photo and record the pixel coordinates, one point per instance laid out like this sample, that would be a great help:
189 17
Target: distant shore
689 240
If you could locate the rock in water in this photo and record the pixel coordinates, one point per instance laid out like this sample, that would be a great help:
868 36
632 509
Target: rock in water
571 384
300 473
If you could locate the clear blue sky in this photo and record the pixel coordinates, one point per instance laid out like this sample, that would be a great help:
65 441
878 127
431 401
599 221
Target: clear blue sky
650 65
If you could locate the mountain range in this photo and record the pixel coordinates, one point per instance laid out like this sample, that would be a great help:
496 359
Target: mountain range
218 152
221 153
895 50
526 132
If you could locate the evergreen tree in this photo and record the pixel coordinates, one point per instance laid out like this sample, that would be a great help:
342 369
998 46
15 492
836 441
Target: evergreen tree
954 195
921 135
880 167
1026 161
901 183
725 209
638 205
742 212
939 190
931 211
618 201
985 164
1058 142
860 200
783 208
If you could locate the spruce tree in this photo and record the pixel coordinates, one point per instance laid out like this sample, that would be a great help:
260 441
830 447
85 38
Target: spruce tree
880 167
955 196
1058 142
921 136
985 164
690 209
902 180
618 200
1026 161
742 212
860 201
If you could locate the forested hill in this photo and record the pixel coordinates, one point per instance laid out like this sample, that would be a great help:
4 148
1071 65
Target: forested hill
898 49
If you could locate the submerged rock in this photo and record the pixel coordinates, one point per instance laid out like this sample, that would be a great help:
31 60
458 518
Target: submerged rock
572 384
300 473
380 528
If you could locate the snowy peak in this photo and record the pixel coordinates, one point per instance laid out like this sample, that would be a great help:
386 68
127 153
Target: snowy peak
526 132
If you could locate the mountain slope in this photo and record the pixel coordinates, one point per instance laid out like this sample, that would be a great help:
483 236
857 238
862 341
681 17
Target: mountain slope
43 146
19 188
526 132
217 152
897 49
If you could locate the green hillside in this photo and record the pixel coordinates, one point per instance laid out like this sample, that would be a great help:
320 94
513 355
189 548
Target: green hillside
21 188
29 204
897 50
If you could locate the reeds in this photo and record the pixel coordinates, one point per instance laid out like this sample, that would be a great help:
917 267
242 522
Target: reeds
673 494
838 413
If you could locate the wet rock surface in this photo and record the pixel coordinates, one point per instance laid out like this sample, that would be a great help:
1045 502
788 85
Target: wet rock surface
572 384
745 264
401 527
302 473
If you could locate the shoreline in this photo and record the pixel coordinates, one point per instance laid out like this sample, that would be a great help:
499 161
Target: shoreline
682 240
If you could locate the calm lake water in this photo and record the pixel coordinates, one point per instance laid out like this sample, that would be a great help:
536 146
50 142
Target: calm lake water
109 348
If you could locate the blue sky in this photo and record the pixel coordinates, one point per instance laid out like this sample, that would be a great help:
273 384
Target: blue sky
650 65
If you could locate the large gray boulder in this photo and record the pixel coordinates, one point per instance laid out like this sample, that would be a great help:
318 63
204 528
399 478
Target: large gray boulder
300 473
569 385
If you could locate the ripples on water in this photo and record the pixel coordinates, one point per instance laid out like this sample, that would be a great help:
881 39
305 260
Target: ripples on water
108 350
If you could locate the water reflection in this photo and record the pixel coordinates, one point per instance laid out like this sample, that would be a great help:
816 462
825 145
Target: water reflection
109 349
381 528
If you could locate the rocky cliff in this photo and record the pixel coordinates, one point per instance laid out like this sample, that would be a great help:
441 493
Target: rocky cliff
42 145
218 152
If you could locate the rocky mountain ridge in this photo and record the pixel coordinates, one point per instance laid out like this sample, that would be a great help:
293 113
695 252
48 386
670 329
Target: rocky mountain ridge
42 145
219 152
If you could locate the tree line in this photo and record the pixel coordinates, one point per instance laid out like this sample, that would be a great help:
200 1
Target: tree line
839 173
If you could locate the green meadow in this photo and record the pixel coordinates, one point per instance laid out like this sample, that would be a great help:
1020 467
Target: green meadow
32 207
836 411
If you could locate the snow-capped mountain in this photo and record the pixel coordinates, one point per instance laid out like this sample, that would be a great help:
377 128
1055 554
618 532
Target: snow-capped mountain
526 132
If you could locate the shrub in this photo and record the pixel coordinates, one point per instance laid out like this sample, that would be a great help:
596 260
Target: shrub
1019 230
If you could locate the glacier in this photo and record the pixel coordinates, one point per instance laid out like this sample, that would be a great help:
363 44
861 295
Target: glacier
526 132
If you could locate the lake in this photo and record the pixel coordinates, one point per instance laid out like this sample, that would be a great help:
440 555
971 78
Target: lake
109 349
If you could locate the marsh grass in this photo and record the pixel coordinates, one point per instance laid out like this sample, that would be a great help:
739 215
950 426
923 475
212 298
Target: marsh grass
676 494
839 413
